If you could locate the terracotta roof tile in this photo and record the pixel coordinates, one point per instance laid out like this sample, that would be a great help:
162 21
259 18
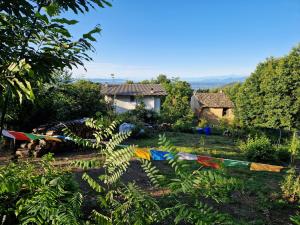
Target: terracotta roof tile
214 100
133 89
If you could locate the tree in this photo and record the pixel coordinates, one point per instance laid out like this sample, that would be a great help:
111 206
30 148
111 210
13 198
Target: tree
35 41
202 90
177 102
129 82
232 91
160 79
80 99
270 97
59 102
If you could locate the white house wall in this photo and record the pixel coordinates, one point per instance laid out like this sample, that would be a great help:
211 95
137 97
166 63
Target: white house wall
157 104
149 102
122 103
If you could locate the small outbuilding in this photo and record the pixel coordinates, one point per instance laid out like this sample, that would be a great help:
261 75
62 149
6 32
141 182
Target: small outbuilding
125 97
212 107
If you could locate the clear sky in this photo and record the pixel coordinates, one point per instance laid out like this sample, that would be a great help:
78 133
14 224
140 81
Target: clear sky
195 38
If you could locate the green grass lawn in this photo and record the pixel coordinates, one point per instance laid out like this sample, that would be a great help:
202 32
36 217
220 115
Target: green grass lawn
214 145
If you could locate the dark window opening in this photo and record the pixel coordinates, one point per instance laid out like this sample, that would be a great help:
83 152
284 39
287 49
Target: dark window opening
225 111
132 99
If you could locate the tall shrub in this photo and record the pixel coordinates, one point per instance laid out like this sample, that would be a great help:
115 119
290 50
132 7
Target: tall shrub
259 149
270 97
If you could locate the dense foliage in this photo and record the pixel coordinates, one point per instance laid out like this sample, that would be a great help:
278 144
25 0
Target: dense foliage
260 149
160 79
38 194
35 41
60 101
270 97
291 186
177 102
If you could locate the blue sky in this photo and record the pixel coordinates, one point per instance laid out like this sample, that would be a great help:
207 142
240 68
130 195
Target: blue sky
196 38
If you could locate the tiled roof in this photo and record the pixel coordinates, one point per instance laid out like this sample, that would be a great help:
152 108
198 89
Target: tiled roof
214 100
133 89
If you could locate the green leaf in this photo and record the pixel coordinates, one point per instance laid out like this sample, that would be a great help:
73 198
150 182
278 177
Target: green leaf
89 36
65 21
42 17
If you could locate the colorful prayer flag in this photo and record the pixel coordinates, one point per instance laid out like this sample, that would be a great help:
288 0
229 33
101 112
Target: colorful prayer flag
160 155
142 153
19 136
49 138
186 156
265 167
33 136
235 163
210 161
6 133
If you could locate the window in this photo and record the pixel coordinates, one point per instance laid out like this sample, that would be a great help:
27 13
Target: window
225 112
132 99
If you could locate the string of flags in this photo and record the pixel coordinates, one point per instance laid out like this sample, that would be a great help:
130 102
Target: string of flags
22 136
206 161
153 154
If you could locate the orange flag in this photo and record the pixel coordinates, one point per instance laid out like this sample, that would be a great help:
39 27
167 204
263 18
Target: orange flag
142 153
265 167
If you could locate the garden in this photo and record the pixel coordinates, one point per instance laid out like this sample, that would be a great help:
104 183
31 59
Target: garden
108 183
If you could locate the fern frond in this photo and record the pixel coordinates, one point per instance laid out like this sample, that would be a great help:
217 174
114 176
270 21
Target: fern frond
117 163
199 213
101 219
78 140
93 184
152 172
215 184
94 124
88 164
115 140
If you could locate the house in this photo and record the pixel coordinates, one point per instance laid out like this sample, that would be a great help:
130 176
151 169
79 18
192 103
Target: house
212 106
126 97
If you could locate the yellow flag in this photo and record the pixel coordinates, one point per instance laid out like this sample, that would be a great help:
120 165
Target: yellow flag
265 167
142 153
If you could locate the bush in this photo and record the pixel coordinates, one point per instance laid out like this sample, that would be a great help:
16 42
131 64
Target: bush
259 149
291 186
38 195
185 124
203 123
283 154
58 103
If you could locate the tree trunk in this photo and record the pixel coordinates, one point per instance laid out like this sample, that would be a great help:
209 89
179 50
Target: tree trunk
280 135
4 110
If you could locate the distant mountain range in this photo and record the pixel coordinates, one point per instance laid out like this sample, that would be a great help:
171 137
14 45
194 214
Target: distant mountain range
196 82
214 81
